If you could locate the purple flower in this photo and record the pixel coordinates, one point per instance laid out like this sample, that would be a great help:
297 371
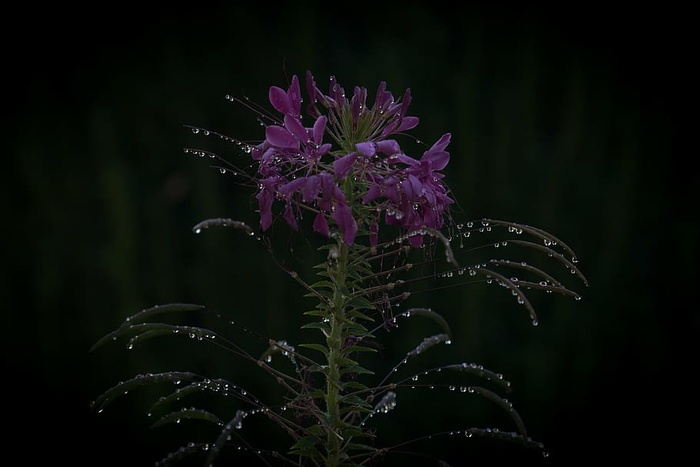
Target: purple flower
367 168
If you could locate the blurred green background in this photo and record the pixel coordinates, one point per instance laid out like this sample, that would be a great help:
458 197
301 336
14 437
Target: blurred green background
564 120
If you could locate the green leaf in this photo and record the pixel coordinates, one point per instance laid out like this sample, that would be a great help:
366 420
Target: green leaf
356 385
356 369
138 381
321 284
361 303
315 325
355 402
359 348
428 313
344 361
356 328
359 315
318 347
305 443
360 447
187 414
320 313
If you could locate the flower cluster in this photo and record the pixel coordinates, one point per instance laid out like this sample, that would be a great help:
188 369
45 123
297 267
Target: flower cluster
367 175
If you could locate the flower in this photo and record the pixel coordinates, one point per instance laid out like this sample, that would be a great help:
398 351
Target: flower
367 168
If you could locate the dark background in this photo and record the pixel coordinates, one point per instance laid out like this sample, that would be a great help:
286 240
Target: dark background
568 120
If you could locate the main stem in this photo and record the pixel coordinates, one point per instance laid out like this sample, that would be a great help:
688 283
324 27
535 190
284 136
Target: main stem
334 341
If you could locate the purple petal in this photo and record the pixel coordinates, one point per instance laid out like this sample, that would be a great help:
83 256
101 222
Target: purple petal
289 216
294 96
279 100
407 189
436 156
442 143
289 188
343 165
416 185
408 123
367 149
346 223
323 149
321 225
265 199
296 128
373 192
281 137
406 159
311 188
319 129
388 147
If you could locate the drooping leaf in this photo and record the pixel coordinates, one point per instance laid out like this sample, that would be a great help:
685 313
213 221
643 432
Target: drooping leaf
428 313
187 414
124 387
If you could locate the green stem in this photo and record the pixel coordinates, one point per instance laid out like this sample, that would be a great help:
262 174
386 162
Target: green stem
334 342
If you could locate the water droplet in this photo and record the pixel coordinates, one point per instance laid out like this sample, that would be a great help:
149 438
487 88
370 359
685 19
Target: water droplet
535 322
195 130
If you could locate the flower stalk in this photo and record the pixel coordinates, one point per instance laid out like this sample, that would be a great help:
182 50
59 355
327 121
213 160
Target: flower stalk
337 269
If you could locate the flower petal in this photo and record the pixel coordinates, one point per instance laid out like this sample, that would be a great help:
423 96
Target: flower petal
367 148
279 100
321 225
343 165
319 129
281 137
296 128
346 223
388 147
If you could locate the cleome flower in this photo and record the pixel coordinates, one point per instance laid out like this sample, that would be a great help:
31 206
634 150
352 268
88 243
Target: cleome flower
350 185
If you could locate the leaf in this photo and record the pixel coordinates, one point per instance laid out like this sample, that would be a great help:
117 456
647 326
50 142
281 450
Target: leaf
506 405
480 371
322 284
359 348
318 347
322 326
306 443
143 314
187 414
356 369
138 381
428 313
356 314
361 303
355 402
427 343
224 435
177 395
